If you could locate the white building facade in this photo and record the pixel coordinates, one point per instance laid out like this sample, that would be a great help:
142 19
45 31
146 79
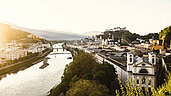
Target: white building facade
142 70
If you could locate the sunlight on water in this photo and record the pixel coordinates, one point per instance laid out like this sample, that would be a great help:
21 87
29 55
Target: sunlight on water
34 81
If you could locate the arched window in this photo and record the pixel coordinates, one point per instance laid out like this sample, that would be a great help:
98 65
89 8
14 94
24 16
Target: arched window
143 71
143 81
153 60
149 81
131 59
143 64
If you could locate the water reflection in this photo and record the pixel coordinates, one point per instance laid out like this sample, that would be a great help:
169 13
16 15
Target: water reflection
34 81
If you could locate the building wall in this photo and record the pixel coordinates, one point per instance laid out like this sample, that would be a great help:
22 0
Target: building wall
147 84
15 54
122 74
137 70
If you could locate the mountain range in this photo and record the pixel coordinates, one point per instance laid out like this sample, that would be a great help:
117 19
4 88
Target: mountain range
50 34
92 33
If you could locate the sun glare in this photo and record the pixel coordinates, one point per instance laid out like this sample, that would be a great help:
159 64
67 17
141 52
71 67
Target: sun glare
2 36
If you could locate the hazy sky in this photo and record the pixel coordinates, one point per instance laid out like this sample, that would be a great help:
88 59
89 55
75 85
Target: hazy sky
79 16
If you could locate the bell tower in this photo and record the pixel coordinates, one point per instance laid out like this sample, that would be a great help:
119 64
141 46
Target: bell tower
130 61
152 58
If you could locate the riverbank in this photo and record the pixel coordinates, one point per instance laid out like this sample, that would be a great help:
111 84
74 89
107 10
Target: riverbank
84 76
13 68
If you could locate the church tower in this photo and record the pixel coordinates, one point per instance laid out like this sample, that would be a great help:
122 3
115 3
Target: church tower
152 58
130 61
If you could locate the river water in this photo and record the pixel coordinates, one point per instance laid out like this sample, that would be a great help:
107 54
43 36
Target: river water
34 81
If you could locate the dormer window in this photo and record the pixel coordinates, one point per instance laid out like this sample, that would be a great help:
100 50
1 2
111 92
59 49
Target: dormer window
143 71
143 64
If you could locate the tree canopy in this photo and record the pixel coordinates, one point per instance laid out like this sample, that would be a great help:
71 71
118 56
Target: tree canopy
165 33
87 88
84 69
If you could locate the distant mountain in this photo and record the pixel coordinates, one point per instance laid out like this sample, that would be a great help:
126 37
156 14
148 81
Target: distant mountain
91 33
50 34
8 34
57 35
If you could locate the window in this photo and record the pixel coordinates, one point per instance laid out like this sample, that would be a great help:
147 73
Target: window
149 81
153 60
137 81
149 90
143 71
143 89
130 59
143 64
143 80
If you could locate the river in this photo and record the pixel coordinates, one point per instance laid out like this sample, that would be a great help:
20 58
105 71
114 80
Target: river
34 81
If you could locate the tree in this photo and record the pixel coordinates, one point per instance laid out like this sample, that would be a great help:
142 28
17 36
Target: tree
87 88
83 63
165 35
60 89
106 74
84 68
101 77
164 90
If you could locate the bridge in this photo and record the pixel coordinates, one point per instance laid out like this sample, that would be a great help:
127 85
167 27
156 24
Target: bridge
57 49
59 53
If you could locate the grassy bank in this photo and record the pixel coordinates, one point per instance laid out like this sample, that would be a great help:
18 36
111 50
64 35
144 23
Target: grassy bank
22 65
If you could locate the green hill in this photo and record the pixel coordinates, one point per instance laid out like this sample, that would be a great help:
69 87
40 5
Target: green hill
8 34
127 37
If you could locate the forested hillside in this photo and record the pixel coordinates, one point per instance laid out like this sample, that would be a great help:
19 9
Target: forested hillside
165 35
128 37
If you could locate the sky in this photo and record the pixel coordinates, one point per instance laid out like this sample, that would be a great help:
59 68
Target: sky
79 16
